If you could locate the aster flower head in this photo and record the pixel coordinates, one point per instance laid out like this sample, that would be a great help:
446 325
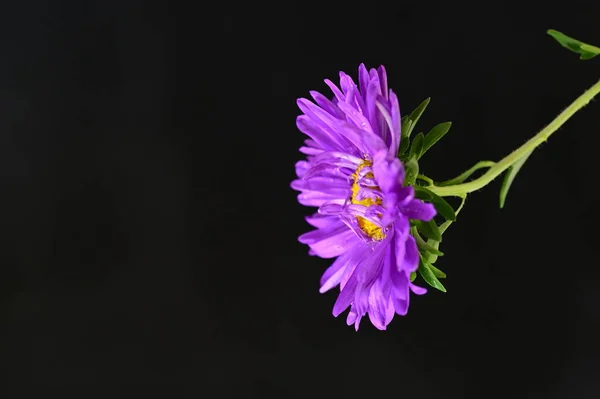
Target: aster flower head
353 176
362 174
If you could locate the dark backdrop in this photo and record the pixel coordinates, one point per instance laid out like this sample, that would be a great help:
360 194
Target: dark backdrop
148 231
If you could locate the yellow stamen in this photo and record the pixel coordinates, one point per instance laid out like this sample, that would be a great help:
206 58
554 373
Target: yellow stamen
370 228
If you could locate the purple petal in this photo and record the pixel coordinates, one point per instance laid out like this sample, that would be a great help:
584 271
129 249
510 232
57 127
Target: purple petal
401 305
333 169
352 317
324 221
383 79
337 156
316 198
411 256
310 150
346 83
396 124
363 79
333 275
419 210
338 94
326 123
301 168
377 308
388 171
389 315
373 91
332 208
346 296
326 104
321 137
418 290
329 242
336 185
358 119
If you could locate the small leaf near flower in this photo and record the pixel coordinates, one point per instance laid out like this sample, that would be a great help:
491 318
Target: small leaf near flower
435 135
430 230
585 51
416 114
424 247
429 277
437 272
413 276
412 171
441 205
416 148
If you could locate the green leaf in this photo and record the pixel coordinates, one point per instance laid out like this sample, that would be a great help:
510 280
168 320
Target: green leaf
429 277
435 135
413 276
430 257
437 272
415 115
509 176
430 230
441 205
585 51
412 171
404 144
416 148
425 247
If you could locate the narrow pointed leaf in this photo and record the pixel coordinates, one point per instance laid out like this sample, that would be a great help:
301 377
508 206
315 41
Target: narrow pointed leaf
431 257
404 144
424 247
437 272
416 114
585 51
441 205
430 278
416 148
509 176
435 135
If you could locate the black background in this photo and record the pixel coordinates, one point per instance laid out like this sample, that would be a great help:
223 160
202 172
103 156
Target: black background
148 231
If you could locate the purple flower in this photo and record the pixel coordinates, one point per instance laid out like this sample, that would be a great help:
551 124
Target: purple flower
352 174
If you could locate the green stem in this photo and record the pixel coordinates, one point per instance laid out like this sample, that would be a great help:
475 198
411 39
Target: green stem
425 179
493 172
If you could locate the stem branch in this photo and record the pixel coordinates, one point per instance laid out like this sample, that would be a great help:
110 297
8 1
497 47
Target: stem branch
493 172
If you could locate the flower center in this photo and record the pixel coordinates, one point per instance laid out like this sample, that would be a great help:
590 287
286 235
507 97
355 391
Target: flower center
368 227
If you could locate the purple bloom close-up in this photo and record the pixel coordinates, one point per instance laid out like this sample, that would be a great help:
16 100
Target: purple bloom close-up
354 178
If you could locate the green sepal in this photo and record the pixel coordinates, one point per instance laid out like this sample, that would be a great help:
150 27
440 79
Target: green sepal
435 135
428 275
509 177
441 205
413 276
431 257
412 171
425 247
585 51
430 230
